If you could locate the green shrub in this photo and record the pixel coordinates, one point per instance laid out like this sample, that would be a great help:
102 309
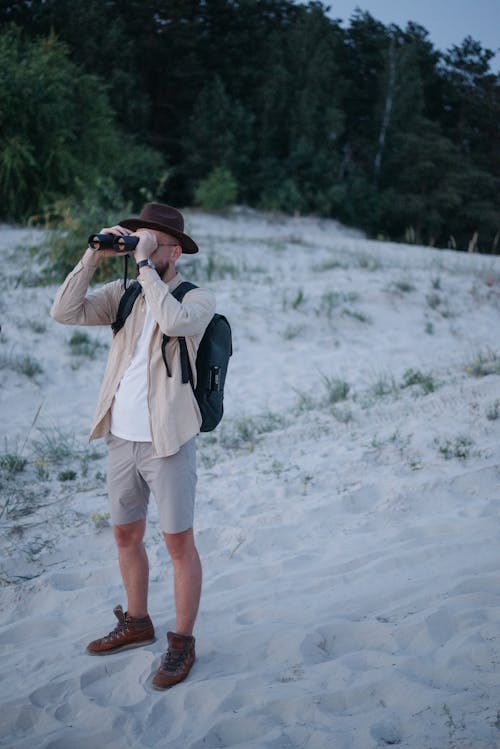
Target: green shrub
69 221
217 191
285 196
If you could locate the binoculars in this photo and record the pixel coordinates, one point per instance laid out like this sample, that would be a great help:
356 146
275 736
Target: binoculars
112 242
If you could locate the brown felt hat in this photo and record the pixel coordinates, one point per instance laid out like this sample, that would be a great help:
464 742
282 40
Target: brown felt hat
162 218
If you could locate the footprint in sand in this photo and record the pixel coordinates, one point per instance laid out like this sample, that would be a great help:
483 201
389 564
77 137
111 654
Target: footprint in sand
386 733
18 719
119 678
319 646
24 630
53 693
362 500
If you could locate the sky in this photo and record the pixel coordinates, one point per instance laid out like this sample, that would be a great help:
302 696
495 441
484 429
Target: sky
447 21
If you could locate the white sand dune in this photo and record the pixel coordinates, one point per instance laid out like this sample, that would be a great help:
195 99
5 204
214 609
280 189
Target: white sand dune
350 546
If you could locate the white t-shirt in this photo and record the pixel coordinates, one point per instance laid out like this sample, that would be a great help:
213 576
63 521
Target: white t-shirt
130 411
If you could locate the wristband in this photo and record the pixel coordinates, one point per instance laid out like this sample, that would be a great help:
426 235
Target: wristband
143 263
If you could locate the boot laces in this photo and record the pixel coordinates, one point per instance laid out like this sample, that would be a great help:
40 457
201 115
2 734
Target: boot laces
120 628
173 659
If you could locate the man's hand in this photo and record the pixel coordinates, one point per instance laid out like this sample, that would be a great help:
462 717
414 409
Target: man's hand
148 243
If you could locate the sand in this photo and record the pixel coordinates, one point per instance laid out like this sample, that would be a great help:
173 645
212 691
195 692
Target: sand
347 519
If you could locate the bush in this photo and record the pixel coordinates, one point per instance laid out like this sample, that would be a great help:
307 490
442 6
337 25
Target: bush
218 191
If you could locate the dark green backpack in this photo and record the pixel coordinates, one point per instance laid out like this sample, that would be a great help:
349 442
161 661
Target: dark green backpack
212 359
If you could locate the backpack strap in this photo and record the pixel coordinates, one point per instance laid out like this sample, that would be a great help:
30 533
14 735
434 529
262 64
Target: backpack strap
125 306
187 374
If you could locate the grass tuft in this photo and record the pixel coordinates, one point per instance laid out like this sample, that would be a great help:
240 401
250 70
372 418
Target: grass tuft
68 475
299 299
384 385
459 448
12 463
485 363
493 411
81 344
25 365
413 377
336 389
244 432
101 520
404 286
55 445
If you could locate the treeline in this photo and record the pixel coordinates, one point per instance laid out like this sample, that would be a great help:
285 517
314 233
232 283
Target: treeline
266 102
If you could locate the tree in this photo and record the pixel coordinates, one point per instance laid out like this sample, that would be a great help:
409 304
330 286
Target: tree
471 102
299 119
218 135
57 130
422 184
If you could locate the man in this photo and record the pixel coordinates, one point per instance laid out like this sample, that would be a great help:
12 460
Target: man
149 421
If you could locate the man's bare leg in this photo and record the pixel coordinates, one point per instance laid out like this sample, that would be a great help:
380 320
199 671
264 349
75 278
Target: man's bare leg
187 578
134 566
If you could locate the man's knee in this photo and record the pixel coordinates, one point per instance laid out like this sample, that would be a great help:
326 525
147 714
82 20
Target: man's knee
180 545
129 534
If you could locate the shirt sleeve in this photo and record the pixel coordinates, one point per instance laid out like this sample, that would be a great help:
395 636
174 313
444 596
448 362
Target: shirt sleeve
75 305
187 318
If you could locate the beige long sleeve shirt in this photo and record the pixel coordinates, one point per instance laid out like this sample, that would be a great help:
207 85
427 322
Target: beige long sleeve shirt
174 414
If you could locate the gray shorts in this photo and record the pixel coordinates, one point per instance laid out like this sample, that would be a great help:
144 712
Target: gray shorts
134 472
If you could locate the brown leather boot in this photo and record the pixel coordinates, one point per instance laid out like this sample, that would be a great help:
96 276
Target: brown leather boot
130 632
177 661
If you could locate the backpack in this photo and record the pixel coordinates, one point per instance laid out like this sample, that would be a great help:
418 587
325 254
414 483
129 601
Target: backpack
212 358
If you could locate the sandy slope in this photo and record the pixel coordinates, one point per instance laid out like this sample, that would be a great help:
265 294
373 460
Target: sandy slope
351 596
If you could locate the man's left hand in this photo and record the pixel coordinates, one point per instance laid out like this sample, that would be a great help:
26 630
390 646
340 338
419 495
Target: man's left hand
146 246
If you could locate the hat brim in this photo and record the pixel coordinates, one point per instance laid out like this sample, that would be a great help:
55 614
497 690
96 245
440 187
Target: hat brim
187 244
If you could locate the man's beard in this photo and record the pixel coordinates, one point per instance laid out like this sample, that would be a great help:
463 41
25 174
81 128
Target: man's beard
163 269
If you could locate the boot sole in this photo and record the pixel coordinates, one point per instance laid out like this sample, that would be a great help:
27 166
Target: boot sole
130 646
160 688
168 686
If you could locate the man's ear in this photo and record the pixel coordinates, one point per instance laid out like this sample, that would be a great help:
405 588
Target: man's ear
177 251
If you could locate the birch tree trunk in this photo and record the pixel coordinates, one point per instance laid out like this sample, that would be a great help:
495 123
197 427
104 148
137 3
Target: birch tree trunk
389 100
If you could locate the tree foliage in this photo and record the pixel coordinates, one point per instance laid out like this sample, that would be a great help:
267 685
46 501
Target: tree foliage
58 132
369 123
